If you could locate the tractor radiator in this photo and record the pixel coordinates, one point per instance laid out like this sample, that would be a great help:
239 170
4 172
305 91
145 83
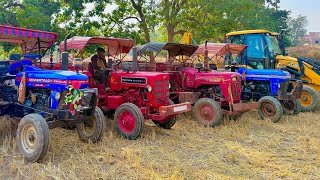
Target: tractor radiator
161 91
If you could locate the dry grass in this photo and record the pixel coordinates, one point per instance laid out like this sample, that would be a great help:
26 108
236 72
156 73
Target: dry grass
247 149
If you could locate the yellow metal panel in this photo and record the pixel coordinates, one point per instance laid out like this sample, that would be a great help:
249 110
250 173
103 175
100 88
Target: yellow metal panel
257 31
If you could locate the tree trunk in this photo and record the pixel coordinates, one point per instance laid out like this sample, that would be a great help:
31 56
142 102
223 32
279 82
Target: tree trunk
171 33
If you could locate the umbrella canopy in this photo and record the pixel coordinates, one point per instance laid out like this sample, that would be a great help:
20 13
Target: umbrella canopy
174 49
31 40
220 49
115 45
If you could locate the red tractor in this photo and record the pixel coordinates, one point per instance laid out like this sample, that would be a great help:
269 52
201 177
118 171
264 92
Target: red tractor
131 95
212 93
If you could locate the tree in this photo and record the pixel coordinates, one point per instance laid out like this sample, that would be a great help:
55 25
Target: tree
297 29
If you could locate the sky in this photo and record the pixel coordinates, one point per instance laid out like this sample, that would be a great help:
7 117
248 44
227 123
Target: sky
309 8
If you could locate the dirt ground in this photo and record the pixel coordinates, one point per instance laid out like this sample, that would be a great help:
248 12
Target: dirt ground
247 149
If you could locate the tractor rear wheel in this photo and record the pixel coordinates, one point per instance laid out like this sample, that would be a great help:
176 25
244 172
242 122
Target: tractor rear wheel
169 122
270 107
309 99
207 112
92 129
33 137
129 121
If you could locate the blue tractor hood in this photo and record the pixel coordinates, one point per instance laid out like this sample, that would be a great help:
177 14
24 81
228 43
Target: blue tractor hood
265 74
52 79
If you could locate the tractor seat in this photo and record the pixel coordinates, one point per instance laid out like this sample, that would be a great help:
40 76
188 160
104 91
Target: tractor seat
95 76
15 57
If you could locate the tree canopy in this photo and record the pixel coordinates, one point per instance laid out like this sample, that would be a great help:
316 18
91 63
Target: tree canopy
148 20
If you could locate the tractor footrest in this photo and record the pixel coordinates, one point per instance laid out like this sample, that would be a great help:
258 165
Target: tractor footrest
241 107
174 109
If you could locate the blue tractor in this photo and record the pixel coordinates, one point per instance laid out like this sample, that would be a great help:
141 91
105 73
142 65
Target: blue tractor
271 88
45 99
262 85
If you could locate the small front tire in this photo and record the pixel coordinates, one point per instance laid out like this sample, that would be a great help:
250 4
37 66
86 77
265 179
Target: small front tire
92 129
270 107
207 112
33 137
129 121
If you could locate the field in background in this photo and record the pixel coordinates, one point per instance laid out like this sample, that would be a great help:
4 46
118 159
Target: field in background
246 149
311 51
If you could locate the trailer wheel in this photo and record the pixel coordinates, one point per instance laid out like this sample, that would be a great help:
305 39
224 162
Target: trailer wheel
207 112
169 122
270 107
92 129
309 99
129 121
33 137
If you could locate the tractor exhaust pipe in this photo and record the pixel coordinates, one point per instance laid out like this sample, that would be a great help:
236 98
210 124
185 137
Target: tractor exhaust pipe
65 54
206 57
134 58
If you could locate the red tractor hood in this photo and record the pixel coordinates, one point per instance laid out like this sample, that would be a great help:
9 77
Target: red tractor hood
195 79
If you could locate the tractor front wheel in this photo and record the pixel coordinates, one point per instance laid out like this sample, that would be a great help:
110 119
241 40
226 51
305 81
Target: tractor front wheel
33 137
207 112
129 121
309 99
270 107
91 129
169 122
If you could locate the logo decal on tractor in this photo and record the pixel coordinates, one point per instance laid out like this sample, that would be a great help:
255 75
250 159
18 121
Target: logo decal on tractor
130 80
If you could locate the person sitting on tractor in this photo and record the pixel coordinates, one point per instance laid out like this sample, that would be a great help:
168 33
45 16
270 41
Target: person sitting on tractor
100 65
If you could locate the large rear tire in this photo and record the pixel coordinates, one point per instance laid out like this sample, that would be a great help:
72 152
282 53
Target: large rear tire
129 121
309 99
33 137
168 123
207 112
270 107
92 129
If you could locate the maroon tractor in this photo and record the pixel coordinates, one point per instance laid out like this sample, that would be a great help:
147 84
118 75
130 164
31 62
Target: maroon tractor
130 95
213 93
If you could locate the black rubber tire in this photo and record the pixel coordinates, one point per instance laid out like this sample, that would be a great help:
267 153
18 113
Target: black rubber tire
168 123
138 120
297 108
315 99
96 134
276 112
288 106
214 106
36 128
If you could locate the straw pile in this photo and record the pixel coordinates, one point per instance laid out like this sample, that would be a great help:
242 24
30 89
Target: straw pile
247 149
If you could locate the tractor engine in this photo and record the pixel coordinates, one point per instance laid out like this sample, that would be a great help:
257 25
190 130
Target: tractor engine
255 90
37 99
141 88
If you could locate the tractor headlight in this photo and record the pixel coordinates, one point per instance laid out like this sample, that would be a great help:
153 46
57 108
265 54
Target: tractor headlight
57 96
169 86
148 88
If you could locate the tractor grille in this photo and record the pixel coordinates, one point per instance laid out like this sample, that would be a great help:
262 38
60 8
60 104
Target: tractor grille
161 91
236 89
87 99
